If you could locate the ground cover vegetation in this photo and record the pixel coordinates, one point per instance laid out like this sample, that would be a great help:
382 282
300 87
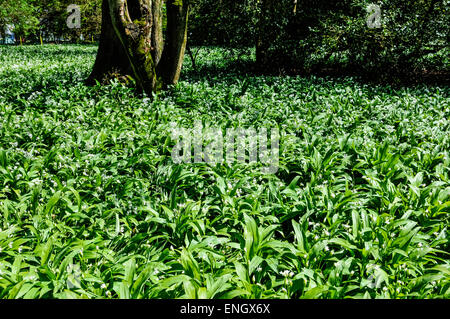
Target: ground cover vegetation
92 206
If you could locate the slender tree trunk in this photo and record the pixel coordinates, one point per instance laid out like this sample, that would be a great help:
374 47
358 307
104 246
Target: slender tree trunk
132 42
176 39
157 30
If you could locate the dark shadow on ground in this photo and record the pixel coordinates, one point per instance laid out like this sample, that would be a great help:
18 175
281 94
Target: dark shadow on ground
250 68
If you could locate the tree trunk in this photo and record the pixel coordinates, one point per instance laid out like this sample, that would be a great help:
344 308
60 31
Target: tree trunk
111 56
176 38
132 42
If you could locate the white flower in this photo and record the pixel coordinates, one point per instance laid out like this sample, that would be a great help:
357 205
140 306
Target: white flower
103 286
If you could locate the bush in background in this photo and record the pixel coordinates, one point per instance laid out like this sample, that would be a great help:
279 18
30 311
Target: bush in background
312 35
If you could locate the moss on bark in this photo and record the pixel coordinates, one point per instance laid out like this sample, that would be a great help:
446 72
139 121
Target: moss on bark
132 42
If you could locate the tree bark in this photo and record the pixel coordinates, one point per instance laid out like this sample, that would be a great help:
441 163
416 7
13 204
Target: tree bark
132 42
176 39
111 56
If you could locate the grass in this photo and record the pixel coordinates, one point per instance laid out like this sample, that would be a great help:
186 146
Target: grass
91 205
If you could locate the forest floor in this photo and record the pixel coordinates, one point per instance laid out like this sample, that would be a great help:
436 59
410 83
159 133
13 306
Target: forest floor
92 204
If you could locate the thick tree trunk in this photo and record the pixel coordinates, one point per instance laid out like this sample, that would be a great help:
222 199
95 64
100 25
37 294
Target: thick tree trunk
111 56
133 21
132 42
